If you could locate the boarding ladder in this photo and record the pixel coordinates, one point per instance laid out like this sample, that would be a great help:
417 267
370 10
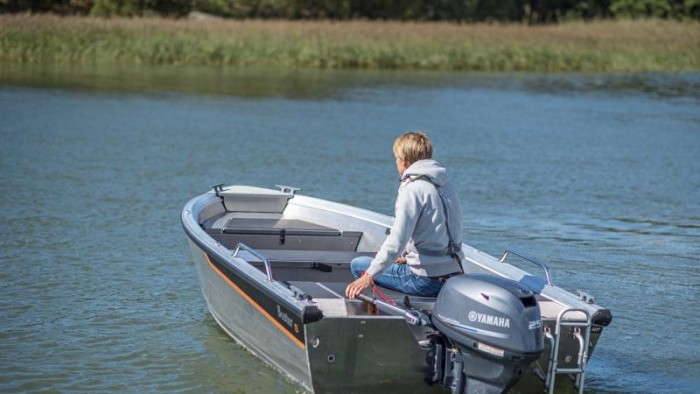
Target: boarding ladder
583 340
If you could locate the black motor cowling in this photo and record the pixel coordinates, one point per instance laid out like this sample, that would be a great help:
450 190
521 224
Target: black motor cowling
490 330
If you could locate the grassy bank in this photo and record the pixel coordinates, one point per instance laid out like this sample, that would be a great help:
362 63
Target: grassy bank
628 46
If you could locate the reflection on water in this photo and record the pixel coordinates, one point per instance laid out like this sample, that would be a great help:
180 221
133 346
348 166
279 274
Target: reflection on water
654 84
597 175
323 84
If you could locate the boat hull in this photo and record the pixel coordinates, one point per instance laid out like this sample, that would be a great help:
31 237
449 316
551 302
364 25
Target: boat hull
246 320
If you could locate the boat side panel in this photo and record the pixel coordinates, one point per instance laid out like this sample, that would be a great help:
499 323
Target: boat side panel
372 355
249 324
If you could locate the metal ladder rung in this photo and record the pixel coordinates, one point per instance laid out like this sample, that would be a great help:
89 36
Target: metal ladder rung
574 324
569 370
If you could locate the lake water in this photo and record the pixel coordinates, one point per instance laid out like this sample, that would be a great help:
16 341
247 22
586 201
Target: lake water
599 175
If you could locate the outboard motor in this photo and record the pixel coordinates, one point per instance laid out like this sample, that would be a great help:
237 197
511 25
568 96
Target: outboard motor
490 330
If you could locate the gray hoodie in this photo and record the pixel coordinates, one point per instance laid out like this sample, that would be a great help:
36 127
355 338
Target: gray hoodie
419 232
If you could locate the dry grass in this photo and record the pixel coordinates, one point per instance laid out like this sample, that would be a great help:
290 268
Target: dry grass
599 46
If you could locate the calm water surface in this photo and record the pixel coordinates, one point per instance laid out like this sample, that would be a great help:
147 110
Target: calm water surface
599 175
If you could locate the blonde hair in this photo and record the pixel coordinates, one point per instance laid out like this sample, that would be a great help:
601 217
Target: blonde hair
413 146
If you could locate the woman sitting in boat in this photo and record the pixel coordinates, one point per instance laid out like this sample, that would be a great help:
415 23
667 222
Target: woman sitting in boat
423 248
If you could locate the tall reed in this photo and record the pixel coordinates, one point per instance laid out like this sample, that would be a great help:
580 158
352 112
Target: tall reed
605 46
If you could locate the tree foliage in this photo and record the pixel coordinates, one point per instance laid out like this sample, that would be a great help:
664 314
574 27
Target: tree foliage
523 11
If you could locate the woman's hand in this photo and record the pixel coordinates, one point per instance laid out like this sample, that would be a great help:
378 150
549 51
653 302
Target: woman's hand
401 260
358 285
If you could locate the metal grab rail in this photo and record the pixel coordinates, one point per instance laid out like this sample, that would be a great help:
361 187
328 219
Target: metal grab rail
268 267
542 265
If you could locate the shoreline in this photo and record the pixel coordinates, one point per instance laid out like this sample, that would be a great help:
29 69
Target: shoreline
603 46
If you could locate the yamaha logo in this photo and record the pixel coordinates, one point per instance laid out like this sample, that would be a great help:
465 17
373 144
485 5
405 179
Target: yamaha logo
483 318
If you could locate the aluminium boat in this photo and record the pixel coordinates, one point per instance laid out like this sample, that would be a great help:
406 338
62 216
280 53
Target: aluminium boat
274 264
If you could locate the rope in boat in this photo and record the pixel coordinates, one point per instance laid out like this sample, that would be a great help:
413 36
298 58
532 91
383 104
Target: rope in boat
380 293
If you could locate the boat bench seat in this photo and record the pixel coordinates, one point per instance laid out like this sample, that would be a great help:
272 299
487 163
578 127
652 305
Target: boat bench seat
288 257
278 233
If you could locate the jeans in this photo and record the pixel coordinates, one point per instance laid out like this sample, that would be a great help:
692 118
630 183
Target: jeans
399 277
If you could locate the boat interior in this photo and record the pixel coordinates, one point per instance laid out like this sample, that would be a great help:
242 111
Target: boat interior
310 257
314 259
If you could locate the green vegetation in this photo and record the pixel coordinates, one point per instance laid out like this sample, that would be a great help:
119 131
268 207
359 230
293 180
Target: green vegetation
603 46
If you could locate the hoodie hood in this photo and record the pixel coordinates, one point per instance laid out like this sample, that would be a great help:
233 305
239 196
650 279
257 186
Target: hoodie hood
428 168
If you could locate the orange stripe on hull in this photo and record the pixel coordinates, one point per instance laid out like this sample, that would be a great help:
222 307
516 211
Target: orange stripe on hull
254 304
